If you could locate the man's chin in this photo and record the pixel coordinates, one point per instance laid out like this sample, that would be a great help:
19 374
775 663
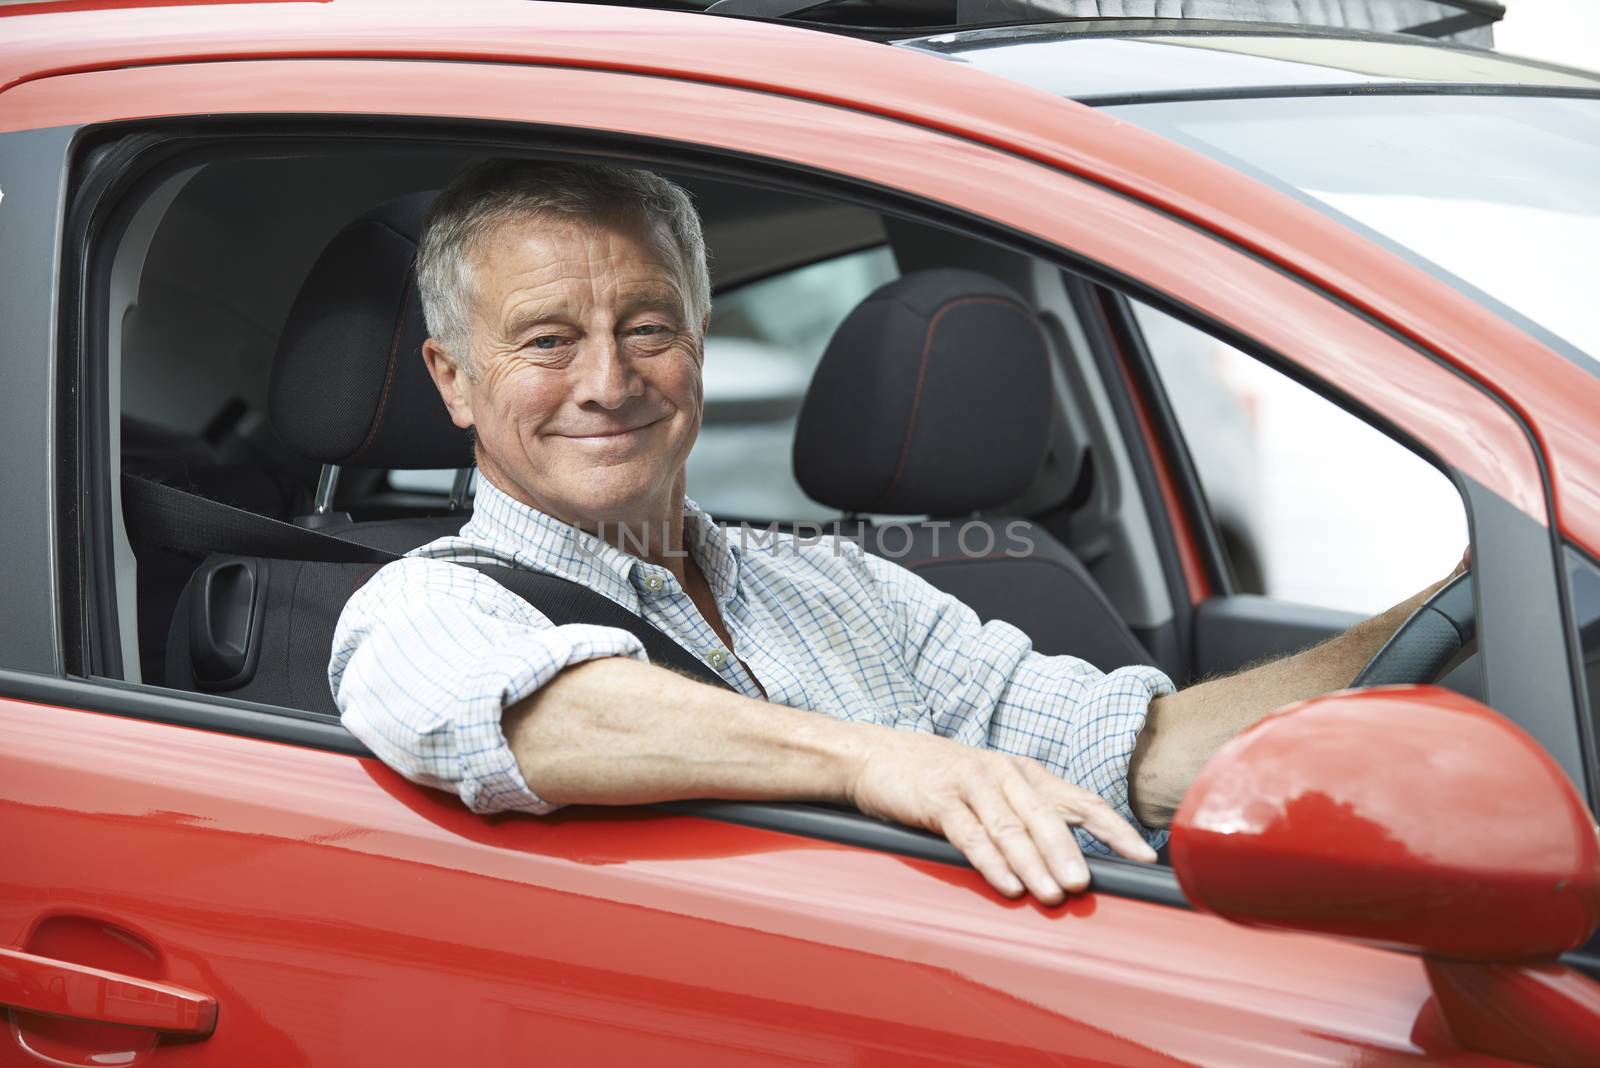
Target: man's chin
599 495
612 497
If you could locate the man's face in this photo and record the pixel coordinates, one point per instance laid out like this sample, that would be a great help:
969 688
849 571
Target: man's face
586 392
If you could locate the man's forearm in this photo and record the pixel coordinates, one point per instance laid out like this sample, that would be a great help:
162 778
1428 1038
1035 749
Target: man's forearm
1185 728
616 731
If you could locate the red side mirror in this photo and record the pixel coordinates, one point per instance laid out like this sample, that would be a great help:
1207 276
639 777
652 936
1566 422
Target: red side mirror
1410 817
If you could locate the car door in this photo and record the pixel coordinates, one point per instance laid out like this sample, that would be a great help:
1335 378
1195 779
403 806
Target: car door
172 852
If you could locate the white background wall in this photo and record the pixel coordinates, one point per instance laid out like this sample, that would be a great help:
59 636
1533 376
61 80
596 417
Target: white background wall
1560 31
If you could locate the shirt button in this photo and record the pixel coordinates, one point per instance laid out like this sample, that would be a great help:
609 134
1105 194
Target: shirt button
653 584
716 657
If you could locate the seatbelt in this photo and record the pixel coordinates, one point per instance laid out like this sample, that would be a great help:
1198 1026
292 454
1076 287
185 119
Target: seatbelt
195 525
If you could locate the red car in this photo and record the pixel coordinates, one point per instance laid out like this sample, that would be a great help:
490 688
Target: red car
194 874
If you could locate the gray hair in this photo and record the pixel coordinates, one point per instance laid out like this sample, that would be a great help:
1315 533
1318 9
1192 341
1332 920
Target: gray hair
488 195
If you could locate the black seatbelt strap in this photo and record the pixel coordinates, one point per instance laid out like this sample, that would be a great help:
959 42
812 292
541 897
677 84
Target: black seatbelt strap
194 525
564 601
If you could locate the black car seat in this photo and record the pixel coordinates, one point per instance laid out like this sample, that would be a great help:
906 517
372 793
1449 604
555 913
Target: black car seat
349 388
934 399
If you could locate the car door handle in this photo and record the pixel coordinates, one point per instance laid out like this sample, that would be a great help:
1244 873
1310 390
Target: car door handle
79 992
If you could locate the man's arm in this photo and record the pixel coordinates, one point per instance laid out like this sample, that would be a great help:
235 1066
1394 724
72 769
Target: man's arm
1183 729
617 731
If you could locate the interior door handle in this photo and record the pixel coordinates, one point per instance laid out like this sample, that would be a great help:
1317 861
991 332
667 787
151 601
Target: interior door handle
79 992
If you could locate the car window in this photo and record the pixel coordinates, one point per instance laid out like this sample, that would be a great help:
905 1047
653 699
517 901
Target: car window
764 343
1313 505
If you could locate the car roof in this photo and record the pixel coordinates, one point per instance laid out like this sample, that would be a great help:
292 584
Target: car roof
1119 61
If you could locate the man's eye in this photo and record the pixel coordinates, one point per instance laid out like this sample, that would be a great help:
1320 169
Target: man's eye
647 329
546 341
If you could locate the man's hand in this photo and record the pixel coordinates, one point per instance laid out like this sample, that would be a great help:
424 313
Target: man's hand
1007 814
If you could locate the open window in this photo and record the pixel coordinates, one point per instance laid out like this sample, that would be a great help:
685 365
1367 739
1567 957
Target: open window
199 328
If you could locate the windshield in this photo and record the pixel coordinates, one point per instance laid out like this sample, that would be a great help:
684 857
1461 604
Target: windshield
1498 194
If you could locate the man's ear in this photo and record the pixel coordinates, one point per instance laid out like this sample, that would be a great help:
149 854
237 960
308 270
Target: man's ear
452 381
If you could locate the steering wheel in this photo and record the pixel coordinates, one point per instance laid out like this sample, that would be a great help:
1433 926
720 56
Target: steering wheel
1428 641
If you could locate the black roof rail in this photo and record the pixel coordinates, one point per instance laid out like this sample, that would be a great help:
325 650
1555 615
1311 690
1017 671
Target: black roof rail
1425 18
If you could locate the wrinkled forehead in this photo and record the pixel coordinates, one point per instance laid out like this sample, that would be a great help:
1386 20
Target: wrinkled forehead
568 253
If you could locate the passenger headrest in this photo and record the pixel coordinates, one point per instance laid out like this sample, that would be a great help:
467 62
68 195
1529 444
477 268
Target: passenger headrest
933 397
348 383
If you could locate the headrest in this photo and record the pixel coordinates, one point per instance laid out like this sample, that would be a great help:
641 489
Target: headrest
933 397
348 384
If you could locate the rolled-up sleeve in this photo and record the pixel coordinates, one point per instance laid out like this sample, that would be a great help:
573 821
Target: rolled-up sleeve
426 658
1083 723
982 684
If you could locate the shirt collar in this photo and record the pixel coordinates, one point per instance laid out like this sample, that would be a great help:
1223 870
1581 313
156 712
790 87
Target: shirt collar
713 550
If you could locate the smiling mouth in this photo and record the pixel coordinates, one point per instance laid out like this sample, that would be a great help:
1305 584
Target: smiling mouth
612 434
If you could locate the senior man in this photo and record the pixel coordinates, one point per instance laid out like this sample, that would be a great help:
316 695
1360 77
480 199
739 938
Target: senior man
567 308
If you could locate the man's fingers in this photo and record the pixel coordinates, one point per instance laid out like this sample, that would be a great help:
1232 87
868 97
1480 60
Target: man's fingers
1091 812
1007 830
1013 824
962 830
1050 834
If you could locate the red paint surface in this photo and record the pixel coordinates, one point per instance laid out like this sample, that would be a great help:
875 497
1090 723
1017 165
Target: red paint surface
1543 1014
342 916
46 7
1556 398
1483 850
1194 571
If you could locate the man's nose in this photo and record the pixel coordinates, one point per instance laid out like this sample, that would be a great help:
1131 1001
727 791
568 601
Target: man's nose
606 377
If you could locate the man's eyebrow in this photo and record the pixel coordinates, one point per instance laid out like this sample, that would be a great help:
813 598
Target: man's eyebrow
527 315
653 298
524 320
650 297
